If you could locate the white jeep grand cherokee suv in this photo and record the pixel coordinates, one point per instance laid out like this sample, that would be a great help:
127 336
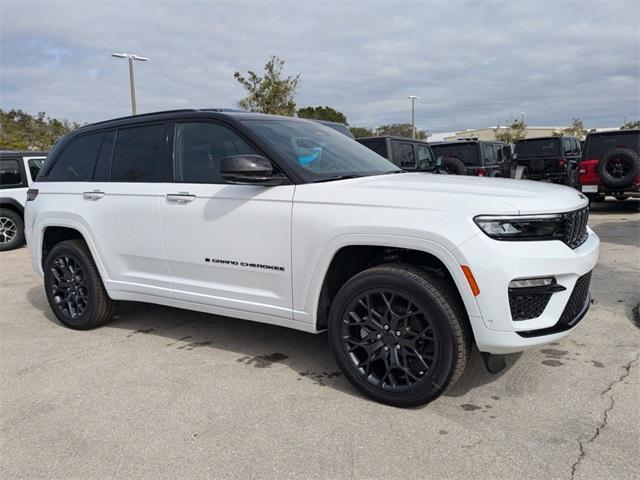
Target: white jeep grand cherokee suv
285 221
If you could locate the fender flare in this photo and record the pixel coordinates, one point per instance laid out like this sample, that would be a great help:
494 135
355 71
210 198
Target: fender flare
442 253
12 202
72 224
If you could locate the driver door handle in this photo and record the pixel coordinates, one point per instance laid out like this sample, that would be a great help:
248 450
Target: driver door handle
93 195
180 198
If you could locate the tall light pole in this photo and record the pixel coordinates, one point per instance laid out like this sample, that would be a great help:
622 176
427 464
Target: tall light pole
413 99
522 114
131 57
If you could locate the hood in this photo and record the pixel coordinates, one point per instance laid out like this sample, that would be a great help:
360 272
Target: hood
474 195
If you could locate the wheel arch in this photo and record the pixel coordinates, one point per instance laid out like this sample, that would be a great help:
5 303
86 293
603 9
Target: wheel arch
12 204
350 258
54 231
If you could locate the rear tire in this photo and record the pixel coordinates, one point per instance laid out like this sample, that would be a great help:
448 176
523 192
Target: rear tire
398 334
74 288
454 166
11 230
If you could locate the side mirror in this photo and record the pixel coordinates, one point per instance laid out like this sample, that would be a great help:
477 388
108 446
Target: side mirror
249 170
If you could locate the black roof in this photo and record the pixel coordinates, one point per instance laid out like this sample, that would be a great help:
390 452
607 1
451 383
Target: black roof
186 113
546 138
456 142
609 132
393 137
22 153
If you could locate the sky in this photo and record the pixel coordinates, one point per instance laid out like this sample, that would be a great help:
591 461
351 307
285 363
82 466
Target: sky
473 64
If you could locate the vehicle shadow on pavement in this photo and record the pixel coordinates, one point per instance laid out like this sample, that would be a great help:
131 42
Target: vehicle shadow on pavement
254 345
615 207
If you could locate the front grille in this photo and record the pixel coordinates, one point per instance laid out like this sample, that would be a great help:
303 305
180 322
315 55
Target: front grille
525 306
575 227
576 301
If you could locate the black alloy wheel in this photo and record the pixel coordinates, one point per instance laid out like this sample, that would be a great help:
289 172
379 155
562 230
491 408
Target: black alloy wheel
74 288
389 339
399 334
69 286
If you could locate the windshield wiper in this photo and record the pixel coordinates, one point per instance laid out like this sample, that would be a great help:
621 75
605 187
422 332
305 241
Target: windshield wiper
393 171
336 177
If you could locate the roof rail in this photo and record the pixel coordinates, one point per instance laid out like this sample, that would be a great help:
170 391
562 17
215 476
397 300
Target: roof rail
142 115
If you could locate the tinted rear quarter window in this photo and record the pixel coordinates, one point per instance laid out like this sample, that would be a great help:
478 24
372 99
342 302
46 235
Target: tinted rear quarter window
539 147
600 145
378 146
77 160
35 164
137 154
10 173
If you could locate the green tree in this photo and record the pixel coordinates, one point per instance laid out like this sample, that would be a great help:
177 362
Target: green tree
322 113
576 129
22 131
630 125
270 93
361 132
402 130
516 130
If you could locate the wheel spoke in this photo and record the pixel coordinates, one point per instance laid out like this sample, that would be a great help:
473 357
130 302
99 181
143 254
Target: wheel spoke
390 340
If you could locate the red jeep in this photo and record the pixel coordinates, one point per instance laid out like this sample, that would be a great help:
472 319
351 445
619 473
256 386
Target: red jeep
611 165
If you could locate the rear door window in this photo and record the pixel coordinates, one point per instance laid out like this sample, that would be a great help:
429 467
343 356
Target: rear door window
137 154
403 155
77 160
424 157
10 175
489 155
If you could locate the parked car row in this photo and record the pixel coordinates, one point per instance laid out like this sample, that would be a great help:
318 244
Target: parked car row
606 163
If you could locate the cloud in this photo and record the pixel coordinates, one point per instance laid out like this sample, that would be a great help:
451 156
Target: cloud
473 64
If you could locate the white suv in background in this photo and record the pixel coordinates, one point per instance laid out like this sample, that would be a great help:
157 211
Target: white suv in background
18 170
285 221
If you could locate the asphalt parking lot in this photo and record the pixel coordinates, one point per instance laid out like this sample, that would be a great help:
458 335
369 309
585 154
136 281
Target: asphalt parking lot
167 393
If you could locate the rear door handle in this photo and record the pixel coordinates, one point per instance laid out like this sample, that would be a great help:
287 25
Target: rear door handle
182 197
93 195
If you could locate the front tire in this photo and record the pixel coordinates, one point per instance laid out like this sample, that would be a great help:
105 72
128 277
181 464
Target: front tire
398 334
74 288
11 230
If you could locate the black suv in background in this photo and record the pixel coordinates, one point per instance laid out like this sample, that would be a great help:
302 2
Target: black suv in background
407 153
611 165
549 158
474 157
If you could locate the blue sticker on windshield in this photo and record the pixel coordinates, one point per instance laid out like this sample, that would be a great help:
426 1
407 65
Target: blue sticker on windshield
307 159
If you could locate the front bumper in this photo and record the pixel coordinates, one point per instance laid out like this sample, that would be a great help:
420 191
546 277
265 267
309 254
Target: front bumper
495 263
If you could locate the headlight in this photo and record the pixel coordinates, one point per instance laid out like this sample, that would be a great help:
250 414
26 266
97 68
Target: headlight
521 227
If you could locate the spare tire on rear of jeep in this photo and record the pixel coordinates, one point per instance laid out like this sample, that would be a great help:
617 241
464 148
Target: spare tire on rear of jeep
618 168
454 166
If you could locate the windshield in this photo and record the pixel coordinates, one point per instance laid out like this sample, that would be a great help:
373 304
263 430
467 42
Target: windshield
601 144
467 153
318 152
540 147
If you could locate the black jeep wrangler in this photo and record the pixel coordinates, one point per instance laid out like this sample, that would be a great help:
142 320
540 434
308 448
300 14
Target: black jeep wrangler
549 158
407 153
474 157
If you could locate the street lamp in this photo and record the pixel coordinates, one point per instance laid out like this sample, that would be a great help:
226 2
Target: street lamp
413 99
522 114
131 57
